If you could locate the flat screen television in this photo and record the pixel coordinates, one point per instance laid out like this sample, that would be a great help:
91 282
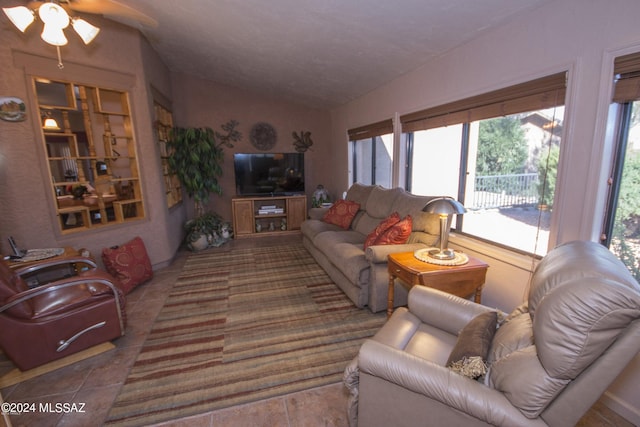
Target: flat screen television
269 174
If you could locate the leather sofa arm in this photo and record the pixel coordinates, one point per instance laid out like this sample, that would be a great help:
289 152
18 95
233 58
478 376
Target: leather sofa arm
443 310
52 262
440 384
378 254
86 278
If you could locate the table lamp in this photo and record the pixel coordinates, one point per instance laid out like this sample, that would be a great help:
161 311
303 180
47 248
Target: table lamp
443 207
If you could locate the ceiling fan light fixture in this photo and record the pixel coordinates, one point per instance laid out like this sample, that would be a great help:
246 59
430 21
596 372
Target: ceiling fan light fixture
20 16
85 30
53 35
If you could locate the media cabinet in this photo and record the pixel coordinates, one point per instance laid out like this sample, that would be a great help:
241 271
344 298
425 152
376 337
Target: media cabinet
268 216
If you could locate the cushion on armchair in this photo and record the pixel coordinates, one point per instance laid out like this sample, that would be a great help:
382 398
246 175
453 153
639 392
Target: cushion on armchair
469 355
129 263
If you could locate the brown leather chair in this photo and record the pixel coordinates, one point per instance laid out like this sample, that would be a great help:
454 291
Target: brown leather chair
58 318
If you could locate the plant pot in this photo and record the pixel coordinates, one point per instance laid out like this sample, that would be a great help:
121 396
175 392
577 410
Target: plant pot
198 242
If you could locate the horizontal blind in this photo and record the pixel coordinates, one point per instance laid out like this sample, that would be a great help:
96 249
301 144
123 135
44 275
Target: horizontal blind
626 71
538 94
369 131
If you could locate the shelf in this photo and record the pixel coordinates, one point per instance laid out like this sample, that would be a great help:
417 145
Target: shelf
95 147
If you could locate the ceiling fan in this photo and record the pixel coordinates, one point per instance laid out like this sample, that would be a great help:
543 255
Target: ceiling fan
56 16
108 8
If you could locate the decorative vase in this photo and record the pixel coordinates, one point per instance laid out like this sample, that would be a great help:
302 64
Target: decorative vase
320 196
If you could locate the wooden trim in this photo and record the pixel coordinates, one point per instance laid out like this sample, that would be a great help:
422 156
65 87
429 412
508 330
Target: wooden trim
369 131
626 70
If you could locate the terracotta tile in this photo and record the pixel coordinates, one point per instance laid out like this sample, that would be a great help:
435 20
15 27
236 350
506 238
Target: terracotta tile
266 413
324 406
195 421
91 406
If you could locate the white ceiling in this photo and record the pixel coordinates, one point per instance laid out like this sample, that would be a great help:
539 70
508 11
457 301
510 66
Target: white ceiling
319 53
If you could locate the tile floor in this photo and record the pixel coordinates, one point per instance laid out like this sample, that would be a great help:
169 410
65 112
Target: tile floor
96 381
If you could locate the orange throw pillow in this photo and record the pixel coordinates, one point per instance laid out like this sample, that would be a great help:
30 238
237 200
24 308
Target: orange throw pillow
398 234
384 225
341 213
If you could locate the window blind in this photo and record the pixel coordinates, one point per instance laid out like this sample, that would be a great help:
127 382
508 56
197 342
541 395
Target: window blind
369 131
545 92
626 71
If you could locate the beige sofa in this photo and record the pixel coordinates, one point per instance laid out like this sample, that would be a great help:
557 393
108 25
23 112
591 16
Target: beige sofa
548 362
361 275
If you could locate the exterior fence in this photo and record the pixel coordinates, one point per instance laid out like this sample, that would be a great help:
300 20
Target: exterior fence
496 191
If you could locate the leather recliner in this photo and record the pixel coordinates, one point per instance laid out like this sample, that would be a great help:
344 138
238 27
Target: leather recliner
59 318
549 361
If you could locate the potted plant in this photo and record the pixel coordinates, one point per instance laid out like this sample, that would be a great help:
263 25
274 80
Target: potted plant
196 156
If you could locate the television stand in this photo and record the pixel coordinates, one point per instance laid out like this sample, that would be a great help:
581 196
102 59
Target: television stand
268 216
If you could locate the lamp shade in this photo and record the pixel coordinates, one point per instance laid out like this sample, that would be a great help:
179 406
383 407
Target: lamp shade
444 206
21 16
86 31
50 124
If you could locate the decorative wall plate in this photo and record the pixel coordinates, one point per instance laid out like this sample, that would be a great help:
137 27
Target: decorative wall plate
263 136
12 109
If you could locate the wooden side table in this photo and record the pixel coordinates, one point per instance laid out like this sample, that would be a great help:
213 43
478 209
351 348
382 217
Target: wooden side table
460 280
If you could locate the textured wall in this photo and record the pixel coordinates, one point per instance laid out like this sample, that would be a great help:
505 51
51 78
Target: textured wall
200 102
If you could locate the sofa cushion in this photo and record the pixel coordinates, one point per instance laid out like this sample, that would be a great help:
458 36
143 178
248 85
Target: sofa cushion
384 225
359 193
344 250
341 213
470 352
380 201
410 204
312 227
397 234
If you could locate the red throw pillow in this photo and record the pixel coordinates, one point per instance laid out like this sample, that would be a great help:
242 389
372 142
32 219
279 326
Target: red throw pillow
384 225
398 234
341 213
129 263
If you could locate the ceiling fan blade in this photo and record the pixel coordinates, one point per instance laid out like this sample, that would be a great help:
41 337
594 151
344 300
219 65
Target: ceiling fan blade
111 8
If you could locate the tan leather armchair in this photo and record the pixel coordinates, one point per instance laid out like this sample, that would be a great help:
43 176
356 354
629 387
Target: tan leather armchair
59 318
548 361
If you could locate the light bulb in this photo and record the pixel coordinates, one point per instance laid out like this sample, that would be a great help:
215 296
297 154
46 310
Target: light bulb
50 124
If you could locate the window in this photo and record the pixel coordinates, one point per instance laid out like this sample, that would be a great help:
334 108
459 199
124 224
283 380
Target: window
91 155
498 154
371 154
622 223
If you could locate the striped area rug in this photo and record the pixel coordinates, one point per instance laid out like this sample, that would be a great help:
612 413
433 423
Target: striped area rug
238 327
